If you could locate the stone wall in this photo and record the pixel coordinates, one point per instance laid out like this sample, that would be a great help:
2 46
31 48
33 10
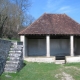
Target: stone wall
41 59
72 59
4 50
15 61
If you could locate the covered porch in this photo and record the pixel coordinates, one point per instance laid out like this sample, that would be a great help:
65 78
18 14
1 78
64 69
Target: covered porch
52 35
49 47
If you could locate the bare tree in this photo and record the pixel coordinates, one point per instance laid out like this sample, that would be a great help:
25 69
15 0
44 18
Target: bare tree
12 17
3 16
2 22
28 20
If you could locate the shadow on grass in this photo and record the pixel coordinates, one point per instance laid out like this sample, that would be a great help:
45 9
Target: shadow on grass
24 64
9 76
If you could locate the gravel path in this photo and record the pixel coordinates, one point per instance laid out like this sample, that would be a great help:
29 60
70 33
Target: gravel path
64 76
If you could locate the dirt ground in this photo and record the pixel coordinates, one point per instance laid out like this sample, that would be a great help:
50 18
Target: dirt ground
62 75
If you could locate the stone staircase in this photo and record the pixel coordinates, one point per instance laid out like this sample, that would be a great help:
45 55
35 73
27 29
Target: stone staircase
59 61
15 58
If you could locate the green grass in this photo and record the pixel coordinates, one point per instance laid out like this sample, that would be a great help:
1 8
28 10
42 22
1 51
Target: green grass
43 71
74 70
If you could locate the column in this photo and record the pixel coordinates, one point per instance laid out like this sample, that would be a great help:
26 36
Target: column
48 45
72 45
23 39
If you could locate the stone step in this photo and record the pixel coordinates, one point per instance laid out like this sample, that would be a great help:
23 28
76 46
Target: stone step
15 45
16 49
12 62
59 61
15 55
10 69
11 66
15 52
19 46
14 58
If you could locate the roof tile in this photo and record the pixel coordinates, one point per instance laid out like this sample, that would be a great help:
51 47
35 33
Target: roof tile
53 24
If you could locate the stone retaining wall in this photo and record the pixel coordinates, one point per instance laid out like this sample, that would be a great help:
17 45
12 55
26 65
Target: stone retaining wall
15 61
72 59
41 59
4 50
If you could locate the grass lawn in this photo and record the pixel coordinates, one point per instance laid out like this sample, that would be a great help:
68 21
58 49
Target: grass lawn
44 71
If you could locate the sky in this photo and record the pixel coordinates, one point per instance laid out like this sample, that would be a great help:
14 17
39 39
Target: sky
69 7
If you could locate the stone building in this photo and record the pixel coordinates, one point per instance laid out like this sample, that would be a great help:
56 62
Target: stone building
51 36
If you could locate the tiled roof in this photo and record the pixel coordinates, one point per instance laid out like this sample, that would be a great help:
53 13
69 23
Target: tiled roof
53 24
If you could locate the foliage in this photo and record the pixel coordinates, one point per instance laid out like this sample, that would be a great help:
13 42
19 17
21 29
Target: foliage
12 17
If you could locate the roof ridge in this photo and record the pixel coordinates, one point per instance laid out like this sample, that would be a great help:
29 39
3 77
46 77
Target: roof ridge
55 13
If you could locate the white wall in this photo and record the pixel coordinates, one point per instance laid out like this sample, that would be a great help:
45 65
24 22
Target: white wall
77 47
60 47
36 47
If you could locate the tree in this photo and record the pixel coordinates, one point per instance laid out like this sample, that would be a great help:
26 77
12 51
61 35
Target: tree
3 17
2 22
12 17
